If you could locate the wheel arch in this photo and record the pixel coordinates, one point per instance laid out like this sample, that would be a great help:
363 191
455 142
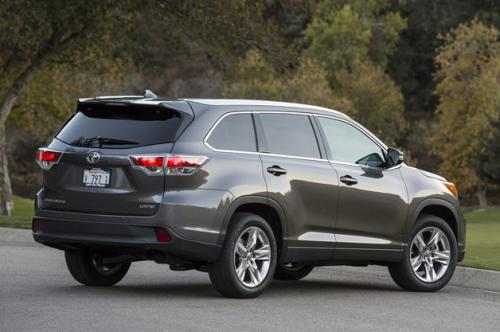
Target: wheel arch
440 208
268 209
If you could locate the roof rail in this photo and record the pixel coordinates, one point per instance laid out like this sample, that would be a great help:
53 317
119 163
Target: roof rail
149 94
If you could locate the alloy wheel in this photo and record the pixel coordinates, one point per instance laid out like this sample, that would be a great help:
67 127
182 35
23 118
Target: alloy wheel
252 257
430 254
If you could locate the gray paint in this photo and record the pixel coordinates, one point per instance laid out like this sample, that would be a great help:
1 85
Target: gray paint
322 219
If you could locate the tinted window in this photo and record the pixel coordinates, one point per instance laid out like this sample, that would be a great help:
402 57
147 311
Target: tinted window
290 134
234 132
118 126
348 144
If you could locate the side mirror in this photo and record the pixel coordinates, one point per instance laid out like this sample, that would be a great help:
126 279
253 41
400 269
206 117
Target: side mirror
394 157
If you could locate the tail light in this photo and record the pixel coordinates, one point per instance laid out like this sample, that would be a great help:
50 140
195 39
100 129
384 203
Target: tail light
184 164
47 158
162 235
171 164
149 164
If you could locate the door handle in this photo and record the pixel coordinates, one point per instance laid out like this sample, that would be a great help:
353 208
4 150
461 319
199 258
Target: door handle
276 170
349 180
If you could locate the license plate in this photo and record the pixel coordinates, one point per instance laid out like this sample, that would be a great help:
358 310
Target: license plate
96 177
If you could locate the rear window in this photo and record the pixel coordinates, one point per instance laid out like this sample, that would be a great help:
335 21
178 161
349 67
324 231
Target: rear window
234 132
120 127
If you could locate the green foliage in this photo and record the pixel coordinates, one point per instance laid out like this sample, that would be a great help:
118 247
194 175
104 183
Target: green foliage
338 39
353 40
376 100
76 44
469 99
487 163
49 100
345 33
220 30
257 79
412 65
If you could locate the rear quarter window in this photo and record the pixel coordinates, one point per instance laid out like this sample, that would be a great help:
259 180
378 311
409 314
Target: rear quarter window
139 125
234 132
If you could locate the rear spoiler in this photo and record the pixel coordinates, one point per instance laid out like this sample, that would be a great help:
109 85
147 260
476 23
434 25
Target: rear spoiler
179 106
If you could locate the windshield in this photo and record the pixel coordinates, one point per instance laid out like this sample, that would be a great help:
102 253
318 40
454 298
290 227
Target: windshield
120 126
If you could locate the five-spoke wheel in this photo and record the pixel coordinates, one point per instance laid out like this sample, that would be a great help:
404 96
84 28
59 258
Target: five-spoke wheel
248 259
429 259
430 254
252 255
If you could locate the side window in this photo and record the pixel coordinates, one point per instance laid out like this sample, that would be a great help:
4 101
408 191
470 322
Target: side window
348 144
290 134
234 132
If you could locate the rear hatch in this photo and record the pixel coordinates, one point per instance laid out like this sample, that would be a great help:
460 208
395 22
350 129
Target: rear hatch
96 170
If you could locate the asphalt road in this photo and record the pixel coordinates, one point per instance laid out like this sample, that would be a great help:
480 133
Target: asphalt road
38 294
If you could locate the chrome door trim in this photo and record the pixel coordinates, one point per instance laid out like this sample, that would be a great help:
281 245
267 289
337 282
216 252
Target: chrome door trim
207 136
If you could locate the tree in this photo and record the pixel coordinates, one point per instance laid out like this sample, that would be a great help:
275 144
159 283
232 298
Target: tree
343 33
256 78
376 100
36 33
413 67
487 163
353 40
469 97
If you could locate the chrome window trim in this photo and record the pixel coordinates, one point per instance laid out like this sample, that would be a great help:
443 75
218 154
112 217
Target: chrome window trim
293 157
207 136
365 166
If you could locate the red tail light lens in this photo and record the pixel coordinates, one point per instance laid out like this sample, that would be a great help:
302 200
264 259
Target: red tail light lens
47 158
172 164
151 165
46 155
147 161
162 235
184 164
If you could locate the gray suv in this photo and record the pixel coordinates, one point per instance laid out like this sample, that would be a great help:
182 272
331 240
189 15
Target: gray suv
245 190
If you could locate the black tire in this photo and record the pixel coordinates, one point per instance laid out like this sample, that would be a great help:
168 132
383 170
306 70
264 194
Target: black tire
222 273
293 271
403 274
82 267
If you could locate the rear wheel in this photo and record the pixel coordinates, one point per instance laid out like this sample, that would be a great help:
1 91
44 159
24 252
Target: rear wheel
83 266
292 271
430 258
248 259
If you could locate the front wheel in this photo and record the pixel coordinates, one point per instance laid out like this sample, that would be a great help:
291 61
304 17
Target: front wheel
248 259
83 266
430 257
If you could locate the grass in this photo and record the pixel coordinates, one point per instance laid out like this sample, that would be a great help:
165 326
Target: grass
21 218
483 232
483 238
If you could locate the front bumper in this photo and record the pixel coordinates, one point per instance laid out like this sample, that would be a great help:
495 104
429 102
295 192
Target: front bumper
138 239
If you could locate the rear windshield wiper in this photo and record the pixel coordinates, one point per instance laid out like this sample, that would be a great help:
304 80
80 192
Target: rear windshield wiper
98 141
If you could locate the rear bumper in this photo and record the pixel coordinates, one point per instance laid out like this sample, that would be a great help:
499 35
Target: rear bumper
139 240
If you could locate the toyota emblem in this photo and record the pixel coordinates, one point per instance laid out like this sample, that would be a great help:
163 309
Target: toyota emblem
93 157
